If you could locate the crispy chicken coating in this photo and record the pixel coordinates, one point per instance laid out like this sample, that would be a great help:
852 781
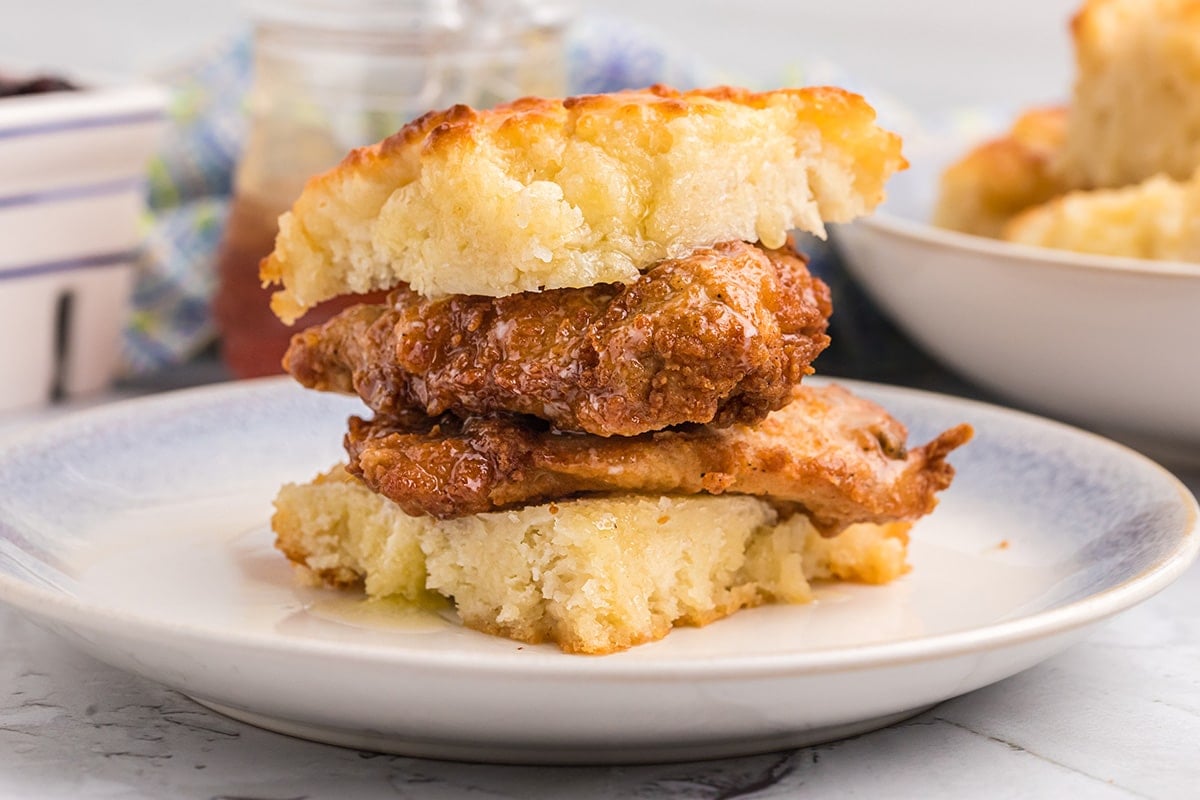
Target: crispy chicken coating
720 336
839 458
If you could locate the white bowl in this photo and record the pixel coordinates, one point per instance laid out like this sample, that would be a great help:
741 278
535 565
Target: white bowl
72 175
1111 343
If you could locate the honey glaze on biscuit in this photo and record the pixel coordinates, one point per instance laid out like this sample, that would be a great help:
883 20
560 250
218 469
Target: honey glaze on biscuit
385 614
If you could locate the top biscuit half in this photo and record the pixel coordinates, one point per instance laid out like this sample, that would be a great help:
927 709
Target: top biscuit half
544 194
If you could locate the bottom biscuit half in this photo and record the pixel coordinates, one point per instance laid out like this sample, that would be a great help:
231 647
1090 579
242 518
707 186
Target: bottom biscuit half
593 575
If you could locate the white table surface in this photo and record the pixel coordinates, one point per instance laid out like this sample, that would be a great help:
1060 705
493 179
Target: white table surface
1115 716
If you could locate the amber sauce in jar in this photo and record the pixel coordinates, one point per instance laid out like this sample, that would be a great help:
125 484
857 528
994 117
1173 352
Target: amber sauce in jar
332 75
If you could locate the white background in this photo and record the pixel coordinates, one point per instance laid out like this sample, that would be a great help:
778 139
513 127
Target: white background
930 54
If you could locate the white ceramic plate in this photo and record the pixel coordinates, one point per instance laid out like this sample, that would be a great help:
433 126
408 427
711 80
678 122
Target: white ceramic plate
139 532
1107 342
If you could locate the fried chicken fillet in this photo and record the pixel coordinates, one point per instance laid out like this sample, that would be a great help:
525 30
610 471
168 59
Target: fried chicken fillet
839 458
720 336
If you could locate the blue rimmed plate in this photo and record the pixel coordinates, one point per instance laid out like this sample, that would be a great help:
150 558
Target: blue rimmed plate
139 532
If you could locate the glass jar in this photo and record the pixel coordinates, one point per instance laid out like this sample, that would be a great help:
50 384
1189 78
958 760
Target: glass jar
332 75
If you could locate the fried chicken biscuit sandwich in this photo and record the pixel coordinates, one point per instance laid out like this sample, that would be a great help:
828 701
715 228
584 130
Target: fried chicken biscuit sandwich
587 422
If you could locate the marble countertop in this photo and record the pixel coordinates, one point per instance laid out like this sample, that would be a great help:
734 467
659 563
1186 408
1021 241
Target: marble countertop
1116 716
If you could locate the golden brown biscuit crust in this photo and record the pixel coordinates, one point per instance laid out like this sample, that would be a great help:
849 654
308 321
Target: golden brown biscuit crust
1000 178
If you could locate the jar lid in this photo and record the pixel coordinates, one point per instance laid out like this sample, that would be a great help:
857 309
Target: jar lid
520 13
418 17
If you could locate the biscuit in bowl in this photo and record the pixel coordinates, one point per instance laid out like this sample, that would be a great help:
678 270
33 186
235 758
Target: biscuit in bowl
1135 111
1149 220
997 180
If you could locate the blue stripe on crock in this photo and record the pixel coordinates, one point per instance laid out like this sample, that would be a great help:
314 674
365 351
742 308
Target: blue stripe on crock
81 123
76 192
69 265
